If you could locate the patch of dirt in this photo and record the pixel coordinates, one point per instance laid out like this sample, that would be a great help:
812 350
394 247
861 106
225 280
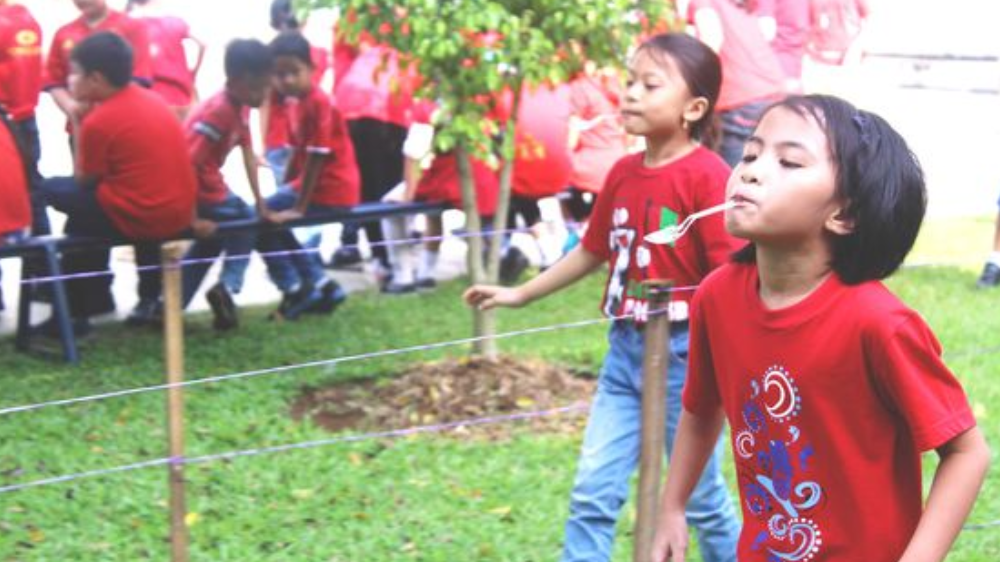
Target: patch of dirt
452 390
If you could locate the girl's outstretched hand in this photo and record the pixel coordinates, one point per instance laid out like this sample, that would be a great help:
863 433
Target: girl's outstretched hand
671 540
485 297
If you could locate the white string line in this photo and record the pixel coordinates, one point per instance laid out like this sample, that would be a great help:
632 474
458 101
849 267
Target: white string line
229 455
319 363
385 243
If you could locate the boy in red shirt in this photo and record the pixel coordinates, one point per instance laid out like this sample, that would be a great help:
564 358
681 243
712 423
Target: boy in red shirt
173 77
20 85
133 178
324 176
15 211
213 129
95 16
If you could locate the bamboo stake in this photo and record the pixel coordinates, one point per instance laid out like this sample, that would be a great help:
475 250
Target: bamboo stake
654 417
173 345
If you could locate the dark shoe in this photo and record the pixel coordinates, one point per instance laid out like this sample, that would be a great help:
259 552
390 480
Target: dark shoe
990 276
331 296
426 284
294 304
50 328
149 312
512 265
394 288
223 308
345 256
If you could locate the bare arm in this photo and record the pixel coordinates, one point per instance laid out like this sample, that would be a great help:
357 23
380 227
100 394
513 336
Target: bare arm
696 438
67 104
250 165
576 265
959 476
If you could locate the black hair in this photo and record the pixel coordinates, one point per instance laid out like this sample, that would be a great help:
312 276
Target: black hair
698 65
880 180
282 16
107 54
247 57
291 44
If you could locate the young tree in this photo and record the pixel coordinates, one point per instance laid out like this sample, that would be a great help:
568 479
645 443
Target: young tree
474 54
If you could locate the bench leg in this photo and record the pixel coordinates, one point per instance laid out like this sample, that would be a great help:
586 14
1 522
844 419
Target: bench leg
60 309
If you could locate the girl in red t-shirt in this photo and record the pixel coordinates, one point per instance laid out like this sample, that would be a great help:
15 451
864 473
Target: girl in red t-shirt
673 84
831 386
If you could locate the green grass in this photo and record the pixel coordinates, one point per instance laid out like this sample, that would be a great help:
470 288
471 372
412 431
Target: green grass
417 498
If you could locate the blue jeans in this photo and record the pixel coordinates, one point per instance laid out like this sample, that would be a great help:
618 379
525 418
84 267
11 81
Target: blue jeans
89 296
290 271
610 454
737 126
277 159
237 247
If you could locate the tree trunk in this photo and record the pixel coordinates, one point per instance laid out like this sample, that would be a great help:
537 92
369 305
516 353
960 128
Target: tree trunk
483 321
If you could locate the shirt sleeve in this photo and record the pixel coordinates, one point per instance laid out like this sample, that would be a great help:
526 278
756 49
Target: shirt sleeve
135 33
56 65
318 128
905 361
595 240
701 392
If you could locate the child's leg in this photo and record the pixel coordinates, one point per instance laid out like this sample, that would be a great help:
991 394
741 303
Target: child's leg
237 246
402 253
610 451
710 510
430 252
273 244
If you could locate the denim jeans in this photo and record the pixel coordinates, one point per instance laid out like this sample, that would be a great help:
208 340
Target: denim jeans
89 296
237 247
737 126
610 454
290 271
278 159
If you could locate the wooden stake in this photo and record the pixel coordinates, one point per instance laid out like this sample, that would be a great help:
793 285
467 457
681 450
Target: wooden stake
654 416
173 346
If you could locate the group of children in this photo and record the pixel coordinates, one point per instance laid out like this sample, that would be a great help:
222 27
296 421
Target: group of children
831 387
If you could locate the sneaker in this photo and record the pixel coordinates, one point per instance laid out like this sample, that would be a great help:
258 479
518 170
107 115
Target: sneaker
149 312
331 296
512 265
425 284
223 308
394 288
295 304
345 256
50 328
990 276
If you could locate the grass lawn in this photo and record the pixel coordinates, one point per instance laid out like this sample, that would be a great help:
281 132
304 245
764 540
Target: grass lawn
417 498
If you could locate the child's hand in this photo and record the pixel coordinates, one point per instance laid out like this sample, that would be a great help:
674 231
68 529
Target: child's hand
671 540
279 217
485 297
203 228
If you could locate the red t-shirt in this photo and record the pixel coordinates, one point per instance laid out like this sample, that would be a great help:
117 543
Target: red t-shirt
134 144
373 87
541 149
317 127
20 61
276 135
750 69
172 77
636 201
792 34
213 129
441 183
15 209
344 55
602 142
67 36
831 402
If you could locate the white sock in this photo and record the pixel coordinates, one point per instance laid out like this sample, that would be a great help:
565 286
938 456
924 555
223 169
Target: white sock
994 258
428 264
